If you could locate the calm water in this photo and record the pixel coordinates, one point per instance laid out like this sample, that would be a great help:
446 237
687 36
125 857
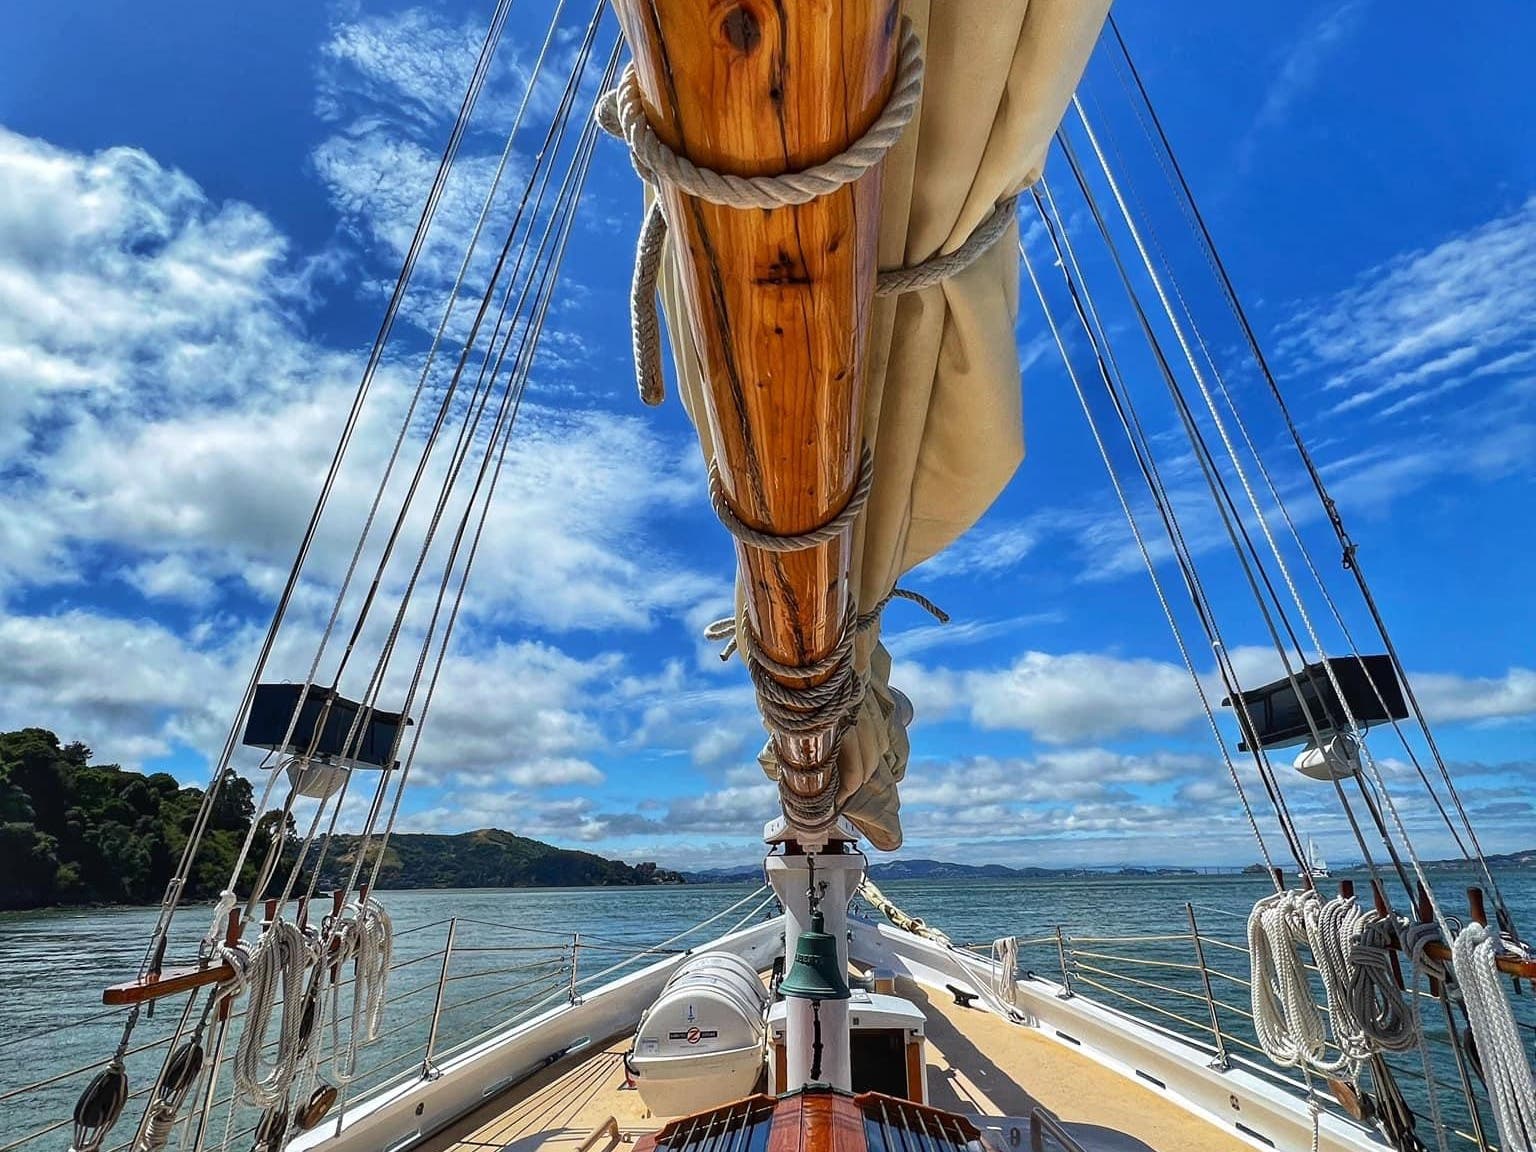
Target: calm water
511 947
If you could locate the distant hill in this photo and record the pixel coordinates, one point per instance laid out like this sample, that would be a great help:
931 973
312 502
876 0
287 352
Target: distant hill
724 875
73 832
489 858
940 870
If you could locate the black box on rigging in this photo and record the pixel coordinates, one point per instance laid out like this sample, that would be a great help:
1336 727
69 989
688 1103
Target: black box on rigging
272 711
1279 714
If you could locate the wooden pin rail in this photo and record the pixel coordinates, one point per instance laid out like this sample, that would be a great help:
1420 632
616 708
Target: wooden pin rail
158 984
1508 964
778 301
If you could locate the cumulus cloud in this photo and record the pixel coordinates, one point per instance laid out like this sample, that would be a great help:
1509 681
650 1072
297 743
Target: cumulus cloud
1451 698
1058 698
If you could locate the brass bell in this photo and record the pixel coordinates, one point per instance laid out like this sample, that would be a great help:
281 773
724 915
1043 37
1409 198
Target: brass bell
816 973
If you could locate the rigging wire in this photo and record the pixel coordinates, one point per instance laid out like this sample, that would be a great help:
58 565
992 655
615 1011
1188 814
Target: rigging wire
1210 363
429 209
1169 161
1219 648
1223 495
522 368
1130 515
474 410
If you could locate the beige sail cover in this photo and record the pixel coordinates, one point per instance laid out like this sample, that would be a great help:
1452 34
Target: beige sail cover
942 404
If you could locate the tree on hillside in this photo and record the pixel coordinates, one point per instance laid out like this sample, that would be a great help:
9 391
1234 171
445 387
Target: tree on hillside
76 832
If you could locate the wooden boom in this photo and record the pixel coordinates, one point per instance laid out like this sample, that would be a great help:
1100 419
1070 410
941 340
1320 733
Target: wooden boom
779 301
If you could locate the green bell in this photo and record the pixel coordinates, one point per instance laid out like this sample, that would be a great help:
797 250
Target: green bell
816 973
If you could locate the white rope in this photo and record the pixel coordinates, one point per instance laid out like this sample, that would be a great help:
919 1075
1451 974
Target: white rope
1332 930
1376 1001
621 113
367 937
1285 1017
1005 978
937 269
1506 1068
282 955
1089 318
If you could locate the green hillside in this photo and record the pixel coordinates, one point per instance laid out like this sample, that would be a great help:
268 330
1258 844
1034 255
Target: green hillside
73 832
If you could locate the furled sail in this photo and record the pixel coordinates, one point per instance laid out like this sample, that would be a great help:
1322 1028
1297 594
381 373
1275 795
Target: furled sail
940 410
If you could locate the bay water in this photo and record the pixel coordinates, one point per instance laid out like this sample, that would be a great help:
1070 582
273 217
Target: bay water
511 955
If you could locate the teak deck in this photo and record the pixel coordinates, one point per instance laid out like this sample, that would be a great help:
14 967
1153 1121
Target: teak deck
977 1063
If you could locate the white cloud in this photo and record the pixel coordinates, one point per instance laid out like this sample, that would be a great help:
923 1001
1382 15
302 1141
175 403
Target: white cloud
172 578
131 689
1428 321
413 62
1448 698
1058 698
985 549
1067 697
1299 71
189 418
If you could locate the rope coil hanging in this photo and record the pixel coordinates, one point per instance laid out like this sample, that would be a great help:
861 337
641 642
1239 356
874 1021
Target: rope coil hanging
1505 1065
1285 1017
282 955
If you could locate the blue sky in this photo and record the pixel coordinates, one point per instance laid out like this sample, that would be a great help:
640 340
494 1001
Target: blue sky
201 209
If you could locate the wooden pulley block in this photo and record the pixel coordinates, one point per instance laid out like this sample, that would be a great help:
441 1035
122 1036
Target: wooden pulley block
321 1101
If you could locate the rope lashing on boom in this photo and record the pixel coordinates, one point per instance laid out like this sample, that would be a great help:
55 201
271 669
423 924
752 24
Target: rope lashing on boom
800 541
937 269
621 113
1506 1068
807 708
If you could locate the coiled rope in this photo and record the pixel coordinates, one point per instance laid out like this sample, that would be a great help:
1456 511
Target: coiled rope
1386 1018
621 113
1286 1018
1005 978
281 956
1506 1068
368 937
1333 927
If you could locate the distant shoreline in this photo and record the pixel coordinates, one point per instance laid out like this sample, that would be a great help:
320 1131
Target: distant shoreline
746 876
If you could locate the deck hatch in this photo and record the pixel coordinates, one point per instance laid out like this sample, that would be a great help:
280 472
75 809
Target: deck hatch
739 1127
892 1125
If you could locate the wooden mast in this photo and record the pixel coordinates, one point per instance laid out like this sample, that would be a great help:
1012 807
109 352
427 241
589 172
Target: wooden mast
779 301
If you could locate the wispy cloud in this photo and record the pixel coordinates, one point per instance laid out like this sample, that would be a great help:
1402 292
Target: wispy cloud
1299 72
1459 314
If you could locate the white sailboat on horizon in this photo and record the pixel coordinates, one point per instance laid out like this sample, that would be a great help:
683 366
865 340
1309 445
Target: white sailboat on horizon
1317 863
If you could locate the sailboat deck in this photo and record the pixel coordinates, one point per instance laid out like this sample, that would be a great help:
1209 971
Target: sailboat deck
978 1063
